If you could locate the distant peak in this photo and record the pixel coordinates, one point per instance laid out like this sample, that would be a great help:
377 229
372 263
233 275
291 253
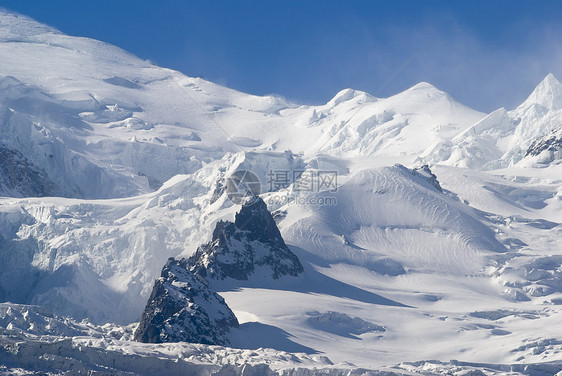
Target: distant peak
423 86
550 82
13 24
346 95
550 79
548 93
423 91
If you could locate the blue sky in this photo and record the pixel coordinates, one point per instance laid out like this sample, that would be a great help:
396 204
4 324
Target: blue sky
487 54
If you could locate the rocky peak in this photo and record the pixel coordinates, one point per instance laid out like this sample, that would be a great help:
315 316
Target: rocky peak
183 308
257 221
238 249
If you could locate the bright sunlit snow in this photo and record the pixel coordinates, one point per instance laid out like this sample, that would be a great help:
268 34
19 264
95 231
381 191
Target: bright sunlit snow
404 271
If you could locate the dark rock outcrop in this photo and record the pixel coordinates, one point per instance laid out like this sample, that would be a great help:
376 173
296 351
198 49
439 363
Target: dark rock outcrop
183 308
426 173
551 143
20 177
252 243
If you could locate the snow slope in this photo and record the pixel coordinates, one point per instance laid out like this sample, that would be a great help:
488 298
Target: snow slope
400 270
503 138
104 123
445 280
400 127
99 258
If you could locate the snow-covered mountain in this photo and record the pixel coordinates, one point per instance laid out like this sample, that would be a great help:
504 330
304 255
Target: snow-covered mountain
425 231
104 123
503 138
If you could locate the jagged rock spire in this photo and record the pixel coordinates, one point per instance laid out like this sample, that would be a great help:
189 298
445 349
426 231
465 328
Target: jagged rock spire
182 306
238 248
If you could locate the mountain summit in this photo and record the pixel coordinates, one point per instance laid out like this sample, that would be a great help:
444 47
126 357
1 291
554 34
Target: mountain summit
182 306
252 244
548 93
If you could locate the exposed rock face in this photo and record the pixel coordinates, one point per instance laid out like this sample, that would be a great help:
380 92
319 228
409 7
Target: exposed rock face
550 146
20 177
182 308
426 173
238 250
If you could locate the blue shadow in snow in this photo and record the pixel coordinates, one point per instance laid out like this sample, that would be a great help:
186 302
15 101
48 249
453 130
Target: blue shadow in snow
310 282
253 335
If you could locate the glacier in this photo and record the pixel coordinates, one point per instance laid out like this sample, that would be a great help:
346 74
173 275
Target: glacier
442 252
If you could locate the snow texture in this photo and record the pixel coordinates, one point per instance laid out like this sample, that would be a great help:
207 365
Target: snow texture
442 239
